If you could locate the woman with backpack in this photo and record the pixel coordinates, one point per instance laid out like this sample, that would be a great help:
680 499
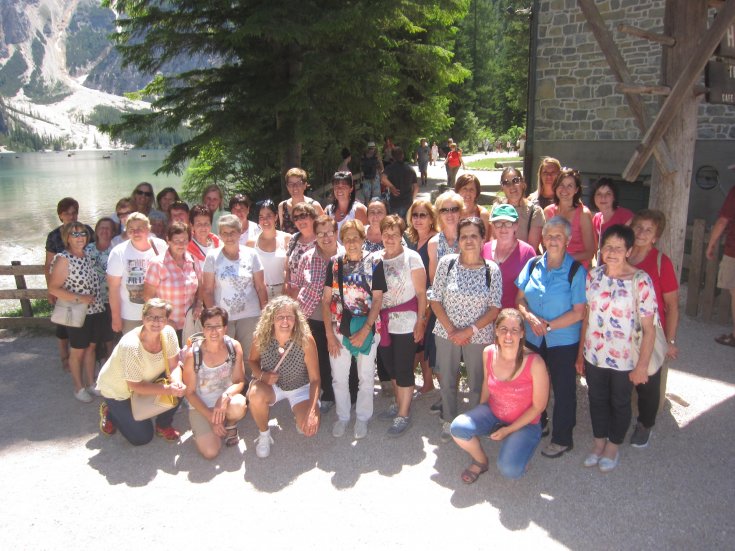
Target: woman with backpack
214 376
551 298
465 298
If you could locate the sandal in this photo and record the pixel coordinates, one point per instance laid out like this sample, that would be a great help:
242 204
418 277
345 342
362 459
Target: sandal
726 339
232 438
469 476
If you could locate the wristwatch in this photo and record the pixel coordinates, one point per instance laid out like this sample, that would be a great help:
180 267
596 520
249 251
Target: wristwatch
548 328
672 341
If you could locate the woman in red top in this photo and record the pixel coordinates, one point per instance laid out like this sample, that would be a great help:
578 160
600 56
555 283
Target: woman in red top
648 226
453 162
515 394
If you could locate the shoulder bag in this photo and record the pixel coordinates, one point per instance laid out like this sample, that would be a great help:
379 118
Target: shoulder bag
69 313
145 406
660 346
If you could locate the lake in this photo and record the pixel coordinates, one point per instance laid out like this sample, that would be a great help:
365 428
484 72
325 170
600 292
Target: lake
31 185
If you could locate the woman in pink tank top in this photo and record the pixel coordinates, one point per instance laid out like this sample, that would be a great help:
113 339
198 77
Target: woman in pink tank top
515 393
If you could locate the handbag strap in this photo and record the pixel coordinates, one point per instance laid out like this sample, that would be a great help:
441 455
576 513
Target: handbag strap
283 357
165 356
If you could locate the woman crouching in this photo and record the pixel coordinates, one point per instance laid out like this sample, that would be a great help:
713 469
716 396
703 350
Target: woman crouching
284 362
514 395
214 376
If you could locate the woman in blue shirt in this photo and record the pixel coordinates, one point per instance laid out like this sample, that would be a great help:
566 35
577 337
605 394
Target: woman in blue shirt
551 298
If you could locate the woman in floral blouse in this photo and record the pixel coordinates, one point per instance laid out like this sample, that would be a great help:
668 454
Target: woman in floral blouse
615 292
465 298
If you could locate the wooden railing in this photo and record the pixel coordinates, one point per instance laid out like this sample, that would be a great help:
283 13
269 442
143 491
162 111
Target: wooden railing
24 295
704 299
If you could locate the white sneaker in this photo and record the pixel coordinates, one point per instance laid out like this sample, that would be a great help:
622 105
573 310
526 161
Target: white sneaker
83 396
92 390
338 429
361 429
263 444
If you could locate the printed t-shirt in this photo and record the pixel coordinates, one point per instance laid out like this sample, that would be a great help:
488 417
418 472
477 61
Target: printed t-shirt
234 289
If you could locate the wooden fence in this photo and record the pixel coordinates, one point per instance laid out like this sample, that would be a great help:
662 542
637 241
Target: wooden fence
704 299
22 293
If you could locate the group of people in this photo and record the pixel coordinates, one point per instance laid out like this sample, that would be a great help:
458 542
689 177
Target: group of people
525 294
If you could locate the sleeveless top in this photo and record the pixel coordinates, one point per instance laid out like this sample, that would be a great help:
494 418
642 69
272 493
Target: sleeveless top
213 381
509 399
274 263
288 225
82 278
292 372
331 209
444 248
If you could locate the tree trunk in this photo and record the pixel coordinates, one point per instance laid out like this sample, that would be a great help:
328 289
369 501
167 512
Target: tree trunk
291 154
686 21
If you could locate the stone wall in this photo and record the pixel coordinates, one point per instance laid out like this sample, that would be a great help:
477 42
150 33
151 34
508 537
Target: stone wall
575 97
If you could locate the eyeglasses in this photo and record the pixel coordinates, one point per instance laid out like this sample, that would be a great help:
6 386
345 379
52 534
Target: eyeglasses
213 327
146 193
325 234
124 213
419 214
285 318
502 224
445 210
512 182
295 184
156 319
505 330
78 233
302 216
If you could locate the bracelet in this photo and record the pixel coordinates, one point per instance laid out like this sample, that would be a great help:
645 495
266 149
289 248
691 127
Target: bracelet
475 330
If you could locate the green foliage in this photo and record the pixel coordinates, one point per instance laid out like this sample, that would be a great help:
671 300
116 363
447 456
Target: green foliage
105 116
87 36
11 73
43 93
41 308
489 162
296 80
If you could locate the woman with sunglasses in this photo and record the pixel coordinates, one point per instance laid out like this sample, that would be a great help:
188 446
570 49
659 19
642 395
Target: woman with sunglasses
296 182
142 198
271 245
345 207
468 186
73 278
449 205
530 216
422 226
568 203
303 216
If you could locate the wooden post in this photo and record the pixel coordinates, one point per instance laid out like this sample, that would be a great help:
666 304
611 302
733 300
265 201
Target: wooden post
20 283
695 268
686 21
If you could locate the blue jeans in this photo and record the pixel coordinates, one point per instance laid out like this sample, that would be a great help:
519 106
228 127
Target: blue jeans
137 433
516 449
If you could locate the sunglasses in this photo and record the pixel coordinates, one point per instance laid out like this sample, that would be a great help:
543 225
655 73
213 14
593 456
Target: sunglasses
124 213
419 214
322 234
78 234
298 217
146 193
511 182
445 210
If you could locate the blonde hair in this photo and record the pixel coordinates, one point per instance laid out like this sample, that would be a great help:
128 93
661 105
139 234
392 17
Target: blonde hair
137 217
297 173
264 330
448 197
413 235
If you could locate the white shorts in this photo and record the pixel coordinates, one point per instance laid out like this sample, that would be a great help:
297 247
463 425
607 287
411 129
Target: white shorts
294 397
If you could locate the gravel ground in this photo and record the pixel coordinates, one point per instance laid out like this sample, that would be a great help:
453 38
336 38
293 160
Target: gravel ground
64 484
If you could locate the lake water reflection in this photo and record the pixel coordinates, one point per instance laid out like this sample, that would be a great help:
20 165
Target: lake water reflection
31 185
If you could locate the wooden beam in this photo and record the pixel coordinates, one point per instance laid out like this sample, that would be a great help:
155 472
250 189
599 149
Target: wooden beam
648 35
716 4
683 87
23 269
25 323
614 58
630 88
18 294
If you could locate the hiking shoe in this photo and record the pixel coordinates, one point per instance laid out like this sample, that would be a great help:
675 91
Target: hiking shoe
263 444
389 414
106 426
446 435
436 408
83 396
640 436
326 405
92 391
361 429
338 429
169 434
399 426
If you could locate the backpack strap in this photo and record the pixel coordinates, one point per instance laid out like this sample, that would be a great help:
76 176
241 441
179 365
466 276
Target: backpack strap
196 351
488 273
573 271
340 272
